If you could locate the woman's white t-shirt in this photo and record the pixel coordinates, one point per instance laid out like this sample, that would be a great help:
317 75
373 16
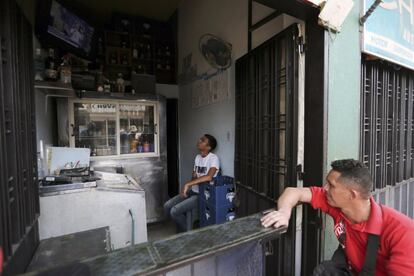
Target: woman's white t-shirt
203 164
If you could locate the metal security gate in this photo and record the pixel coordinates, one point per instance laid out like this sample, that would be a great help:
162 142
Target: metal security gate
18 171
387 118
387 129
266 135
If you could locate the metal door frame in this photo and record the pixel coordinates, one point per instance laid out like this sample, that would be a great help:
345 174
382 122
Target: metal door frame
288 123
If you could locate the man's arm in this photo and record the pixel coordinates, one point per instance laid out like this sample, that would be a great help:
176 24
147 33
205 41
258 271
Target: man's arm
401 253
201 179
286 202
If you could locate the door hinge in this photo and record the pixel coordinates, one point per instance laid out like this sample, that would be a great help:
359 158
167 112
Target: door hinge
300 44
300 39
299 171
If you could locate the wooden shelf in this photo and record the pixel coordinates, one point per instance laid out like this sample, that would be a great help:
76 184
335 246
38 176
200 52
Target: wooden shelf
55 89
119 65
118 48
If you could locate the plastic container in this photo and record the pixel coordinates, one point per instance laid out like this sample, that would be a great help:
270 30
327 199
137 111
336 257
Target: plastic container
218 196
209 214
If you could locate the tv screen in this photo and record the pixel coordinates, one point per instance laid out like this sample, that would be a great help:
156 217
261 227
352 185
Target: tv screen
70 28
60 26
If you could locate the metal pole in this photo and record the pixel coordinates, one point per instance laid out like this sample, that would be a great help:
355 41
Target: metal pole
370 11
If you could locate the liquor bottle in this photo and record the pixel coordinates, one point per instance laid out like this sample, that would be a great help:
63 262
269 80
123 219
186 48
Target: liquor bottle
51 66
100 47
126 25
139 70
141 51
39 65
149 54
65 70
99 81
135 51
167 51
120 83
114 59
123 42
124 59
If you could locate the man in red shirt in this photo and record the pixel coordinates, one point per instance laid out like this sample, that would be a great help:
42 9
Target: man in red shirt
346 197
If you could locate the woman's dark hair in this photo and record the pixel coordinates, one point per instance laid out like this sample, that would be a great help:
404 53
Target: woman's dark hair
212 142
354 172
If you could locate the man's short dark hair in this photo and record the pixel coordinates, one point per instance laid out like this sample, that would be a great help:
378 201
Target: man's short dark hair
354 172
212 142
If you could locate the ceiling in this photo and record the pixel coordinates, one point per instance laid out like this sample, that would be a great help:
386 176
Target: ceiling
100 11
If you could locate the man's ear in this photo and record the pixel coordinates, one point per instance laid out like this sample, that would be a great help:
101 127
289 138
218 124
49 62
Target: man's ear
353 193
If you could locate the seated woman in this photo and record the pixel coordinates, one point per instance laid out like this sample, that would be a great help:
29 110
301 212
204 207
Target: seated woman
206 166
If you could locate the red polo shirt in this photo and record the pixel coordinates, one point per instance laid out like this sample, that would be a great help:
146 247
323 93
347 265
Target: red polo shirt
396 253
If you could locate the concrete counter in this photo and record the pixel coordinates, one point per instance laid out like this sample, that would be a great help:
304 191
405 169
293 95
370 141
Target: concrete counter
175 254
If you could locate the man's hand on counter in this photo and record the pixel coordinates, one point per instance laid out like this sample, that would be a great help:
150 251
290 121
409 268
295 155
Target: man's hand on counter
276 219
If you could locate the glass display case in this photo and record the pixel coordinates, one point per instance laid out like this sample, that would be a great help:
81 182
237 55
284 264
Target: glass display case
114 128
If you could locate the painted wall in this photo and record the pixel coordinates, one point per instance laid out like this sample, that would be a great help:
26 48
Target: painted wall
228 20
170 91
343 102
195 18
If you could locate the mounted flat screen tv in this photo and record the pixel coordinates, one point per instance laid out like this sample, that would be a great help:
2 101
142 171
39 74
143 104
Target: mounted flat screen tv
60 27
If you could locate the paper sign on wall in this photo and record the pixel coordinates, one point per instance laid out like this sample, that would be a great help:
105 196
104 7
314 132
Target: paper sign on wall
210 91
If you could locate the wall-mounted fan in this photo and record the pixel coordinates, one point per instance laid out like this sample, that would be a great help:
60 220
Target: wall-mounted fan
216 51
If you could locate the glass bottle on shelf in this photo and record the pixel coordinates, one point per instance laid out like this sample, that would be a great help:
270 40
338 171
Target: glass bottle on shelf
149 51
65 70
141 51
51 72
114 58
167 51
120 83
100 47
167 65
39 65
135 51
124 59
125 25
99 81
123 42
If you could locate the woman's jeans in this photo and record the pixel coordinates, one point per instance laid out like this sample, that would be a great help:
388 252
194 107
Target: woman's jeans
178 206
